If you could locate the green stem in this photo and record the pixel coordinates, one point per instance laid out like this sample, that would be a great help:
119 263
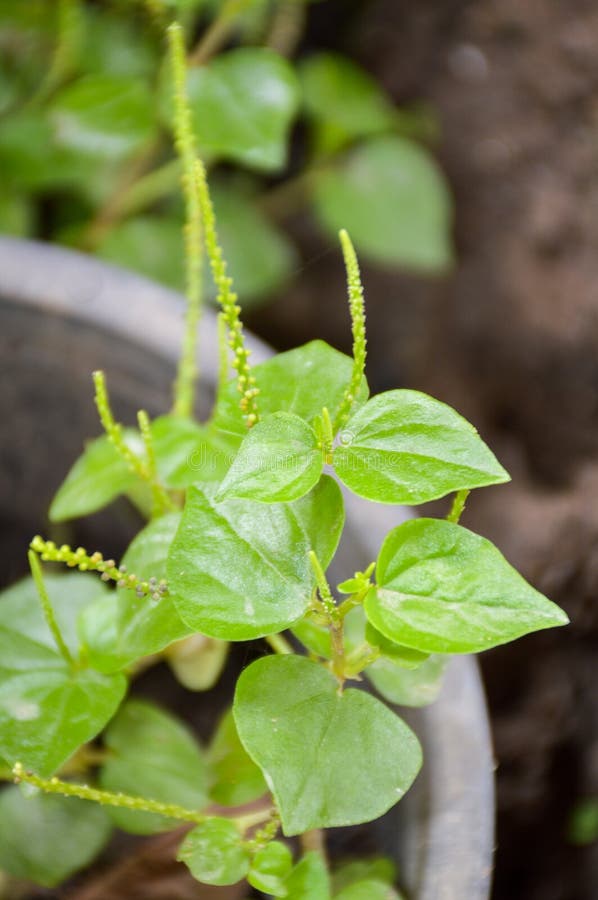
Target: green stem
458 506
287 27
279 644
218 32
69 32
336 622
36 571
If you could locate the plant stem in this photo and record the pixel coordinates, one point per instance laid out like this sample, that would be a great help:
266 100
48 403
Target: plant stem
279 644
218 32
36 571
458 506
335 620
106 798
287 27
68 44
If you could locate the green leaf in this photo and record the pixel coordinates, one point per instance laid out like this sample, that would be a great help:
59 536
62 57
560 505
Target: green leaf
235 777
406 447
368 889
408 686
344 100
279 459
406 657
187 452
97 477
46 838
242 106
153 755
215 853
122 628
15 213
270 584
394 202
309 879
69 594
443 589
300 381
297 727
259 256
377 868
115 45
151 245
104 116
48 710
270 867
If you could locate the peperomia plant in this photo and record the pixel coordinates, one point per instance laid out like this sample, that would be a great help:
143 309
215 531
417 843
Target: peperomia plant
245 514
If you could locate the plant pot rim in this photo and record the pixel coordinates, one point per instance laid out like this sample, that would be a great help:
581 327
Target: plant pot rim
449 840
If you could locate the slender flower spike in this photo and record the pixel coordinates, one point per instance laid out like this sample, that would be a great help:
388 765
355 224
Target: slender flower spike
357 310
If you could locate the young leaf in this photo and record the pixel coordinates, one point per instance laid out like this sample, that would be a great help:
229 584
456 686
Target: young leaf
394 202
240 569
270 867
377 868
235 777
408 686
297 727
279 460
197 661
309 880
152 754
98 476
119 629
405 447
442 589
242 106
215 853
300 381
46 838
104 116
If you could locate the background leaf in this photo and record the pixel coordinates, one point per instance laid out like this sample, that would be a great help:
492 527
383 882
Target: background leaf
242 106
152 755
394 202
46 838
214 852
235 777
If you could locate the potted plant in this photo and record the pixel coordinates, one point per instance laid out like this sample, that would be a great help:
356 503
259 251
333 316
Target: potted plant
243 524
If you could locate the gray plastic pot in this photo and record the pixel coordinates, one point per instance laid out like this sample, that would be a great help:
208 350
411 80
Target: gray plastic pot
61 316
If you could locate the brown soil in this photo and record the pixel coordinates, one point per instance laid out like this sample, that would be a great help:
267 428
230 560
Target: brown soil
510 339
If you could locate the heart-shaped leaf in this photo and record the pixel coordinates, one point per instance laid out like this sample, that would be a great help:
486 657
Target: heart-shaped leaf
240 569
152 754
406 447
309 880
394 202
297 727
242 106
278 460
442 589
47 708
270 867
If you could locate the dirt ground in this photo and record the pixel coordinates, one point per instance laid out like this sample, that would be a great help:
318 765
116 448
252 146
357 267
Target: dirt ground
511 340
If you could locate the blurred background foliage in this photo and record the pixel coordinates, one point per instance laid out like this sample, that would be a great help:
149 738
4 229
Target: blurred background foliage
86 150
